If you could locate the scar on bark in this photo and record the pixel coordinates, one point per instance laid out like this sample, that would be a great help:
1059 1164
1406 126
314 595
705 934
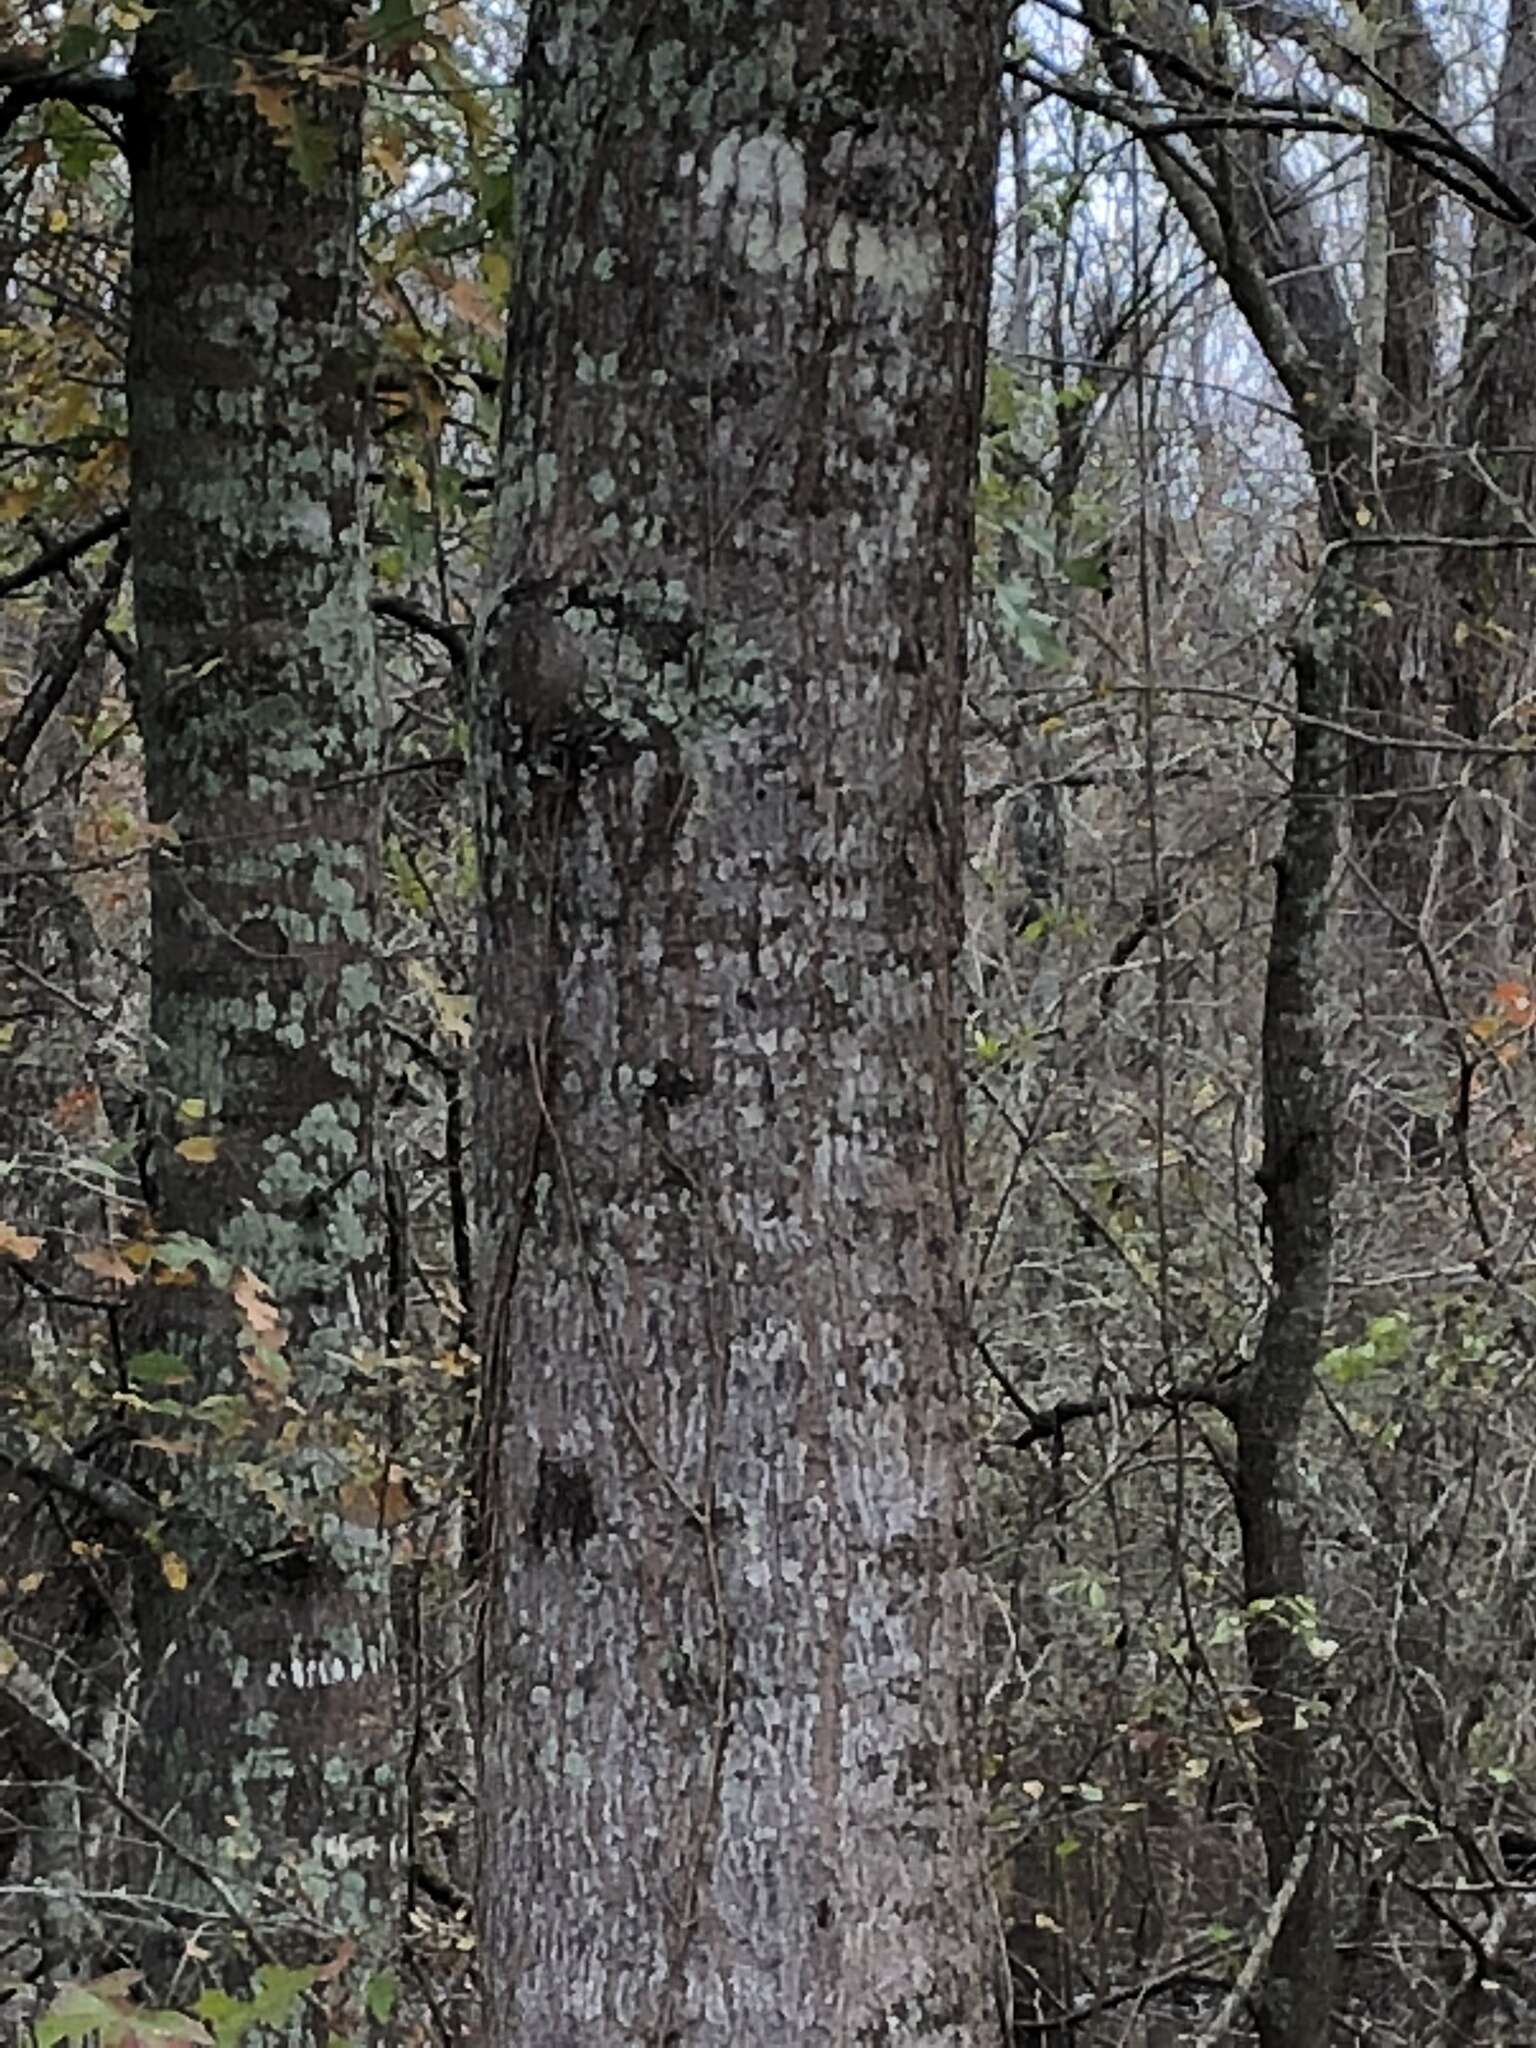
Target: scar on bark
563 1506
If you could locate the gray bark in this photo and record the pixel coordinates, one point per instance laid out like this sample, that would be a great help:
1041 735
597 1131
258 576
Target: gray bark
730 1736
269 1706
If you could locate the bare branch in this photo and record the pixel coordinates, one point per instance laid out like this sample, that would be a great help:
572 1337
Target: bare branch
62 553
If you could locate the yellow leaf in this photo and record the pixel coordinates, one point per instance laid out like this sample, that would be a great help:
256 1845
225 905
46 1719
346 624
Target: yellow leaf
1362 515
496 270
75 405
31 1582
198 1151
17 1243
193 1107
175 1572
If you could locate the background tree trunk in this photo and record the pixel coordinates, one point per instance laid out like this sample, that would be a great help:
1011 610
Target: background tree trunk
1294 2001
730 1745
269 1708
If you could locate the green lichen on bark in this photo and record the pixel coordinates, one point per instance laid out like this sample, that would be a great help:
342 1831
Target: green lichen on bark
269 1703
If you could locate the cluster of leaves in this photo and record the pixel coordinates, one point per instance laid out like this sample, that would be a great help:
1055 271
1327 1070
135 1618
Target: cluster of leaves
105 2012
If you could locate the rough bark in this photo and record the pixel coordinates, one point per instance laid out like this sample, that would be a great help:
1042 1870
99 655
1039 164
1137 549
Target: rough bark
1483 645
730 1737
1294 1997
269 1703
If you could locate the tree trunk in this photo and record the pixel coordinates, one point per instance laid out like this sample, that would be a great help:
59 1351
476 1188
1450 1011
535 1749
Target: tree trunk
269 1710
1487 572
1295 1995
730 1741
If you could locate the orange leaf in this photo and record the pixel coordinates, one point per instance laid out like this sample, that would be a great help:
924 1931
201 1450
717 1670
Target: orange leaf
1515 1000
17 1243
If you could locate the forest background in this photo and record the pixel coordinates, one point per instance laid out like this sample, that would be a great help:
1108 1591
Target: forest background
1244 994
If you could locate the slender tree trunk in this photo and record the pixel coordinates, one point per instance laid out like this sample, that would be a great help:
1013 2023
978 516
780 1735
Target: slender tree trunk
729 1790
1295 1995
269 1710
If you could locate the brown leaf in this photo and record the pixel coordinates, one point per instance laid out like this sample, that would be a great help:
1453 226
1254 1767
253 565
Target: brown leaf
107 1264
17 1243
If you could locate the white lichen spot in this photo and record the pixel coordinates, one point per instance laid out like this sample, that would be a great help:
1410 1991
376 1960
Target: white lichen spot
906 260
546 473
760 181
310 1673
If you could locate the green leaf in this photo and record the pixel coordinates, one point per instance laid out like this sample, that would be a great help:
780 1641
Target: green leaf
496 190
80 43
179 1252
1086 572
314 147
393 23
75 2014
176 2028
157 1369
1030 630
279 1989
405 878
77 145
380 1993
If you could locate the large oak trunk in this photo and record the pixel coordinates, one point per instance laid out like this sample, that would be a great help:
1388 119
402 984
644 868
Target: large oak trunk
730 1747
